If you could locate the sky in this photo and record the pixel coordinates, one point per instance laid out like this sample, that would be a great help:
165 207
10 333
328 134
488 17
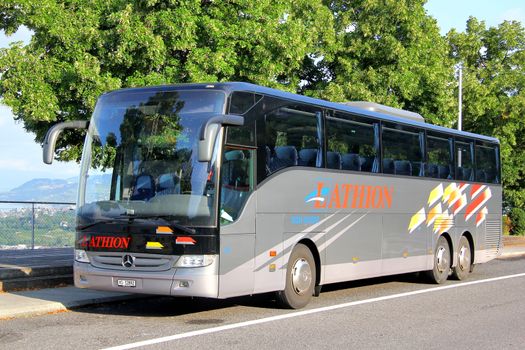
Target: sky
21 156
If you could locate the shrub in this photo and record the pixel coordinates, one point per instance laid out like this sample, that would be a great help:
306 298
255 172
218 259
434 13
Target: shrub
517 219
506 225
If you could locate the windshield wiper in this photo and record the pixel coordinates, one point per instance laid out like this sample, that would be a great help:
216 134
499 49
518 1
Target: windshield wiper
170 222
118 219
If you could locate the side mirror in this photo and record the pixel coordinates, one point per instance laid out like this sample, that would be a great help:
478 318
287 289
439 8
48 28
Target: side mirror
52 136
209 132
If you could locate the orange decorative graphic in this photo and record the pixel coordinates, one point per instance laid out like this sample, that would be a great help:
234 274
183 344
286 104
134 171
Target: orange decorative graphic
185 240
433 214
444 203
164 230
417 219
481 216
477 203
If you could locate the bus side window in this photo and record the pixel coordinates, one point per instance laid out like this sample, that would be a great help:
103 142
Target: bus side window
439 157
402 150
464 160
247 105
487 164
292 138
237 182
350 143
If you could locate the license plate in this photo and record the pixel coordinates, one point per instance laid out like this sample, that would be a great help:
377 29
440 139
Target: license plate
126 283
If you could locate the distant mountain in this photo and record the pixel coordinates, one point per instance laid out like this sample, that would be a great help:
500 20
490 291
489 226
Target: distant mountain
55 190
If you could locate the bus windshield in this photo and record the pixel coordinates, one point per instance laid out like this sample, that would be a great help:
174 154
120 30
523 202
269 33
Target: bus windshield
140 159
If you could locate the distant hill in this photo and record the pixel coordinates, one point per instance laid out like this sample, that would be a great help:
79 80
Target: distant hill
53 190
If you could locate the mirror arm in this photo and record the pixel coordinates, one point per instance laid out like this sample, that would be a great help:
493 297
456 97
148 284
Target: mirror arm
53 133
224 119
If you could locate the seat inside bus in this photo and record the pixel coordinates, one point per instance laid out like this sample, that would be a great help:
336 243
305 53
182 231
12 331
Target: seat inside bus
402 167
481 176
168 183
307 157
388 166
464 174
143 187
283 157
351 161
333 160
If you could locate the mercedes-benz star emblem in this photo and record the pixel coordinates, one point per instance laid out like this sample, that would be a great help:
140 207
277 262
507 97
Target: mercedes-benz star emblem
128 260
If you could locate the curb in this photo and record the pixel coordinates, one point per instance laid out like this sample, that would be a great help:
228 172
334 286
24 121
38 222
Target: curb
511 255
49 307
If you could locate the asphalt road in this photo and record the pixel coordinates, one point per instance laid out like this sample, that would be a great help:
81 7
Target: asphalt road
399 312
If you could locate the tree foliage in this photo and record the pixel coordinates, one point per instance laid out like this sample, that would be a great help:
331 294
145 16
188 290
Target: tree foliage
82 48
384 51
389 52
517 220
494 93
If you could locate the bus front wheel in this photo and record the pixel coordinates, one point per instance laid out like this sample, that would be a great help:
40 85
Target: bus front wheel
441 270
300 279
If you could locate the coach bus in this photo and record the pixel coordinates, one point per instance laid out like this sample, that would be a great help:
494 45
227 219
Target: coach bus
228 189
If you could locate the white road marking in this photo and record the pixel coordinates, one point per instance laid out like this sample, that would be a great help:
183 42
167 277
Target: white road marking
304 313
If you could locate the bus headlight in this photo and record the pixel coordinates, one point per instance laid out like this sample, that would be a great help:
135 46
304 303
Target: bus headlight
81 256
195 260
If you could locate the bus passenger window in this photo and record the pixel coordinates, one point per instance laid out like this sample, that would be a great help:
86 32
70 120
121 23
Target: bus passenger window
439 157
464 161
486 164
237 175
402 150
350 143
292 138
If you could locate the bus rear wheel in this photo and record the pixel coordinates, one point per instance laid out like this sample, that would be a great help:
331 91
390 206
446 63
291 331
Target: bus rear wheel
464 265
300 279
441 269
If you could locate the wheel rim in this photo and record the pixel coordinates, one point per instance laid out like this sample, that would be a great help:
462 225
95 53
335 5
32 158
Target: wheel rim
464 258
301 276
442 259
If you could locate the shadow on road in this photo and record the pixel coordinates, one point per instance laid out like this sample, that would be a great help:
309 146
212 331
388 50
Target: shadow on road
165 306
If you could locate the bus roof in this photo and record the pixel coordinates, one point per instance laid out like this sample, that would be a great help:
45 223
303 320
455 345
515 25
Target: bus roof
351 108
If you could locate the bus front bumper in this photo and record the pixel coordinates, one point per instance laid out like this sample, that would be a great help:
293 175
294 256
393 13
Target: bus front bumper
194 281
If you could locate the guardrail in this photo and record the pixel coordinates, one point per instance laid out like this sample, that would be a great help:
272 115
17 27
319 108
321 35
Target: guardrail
34 225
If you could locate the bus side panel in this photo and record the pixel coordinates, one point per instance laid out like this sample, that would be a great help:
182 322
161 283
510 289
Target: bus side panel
485 221
404 252
489 238
236 265
268 270
237 248
357 253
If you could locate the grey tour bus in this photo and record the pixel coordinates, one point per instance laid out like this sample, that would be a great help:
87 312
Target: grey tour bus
228 189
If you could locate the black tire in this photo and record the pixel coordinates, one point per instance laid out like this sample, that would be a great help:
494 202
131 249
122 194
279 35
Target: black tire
464 260
441 269
300 279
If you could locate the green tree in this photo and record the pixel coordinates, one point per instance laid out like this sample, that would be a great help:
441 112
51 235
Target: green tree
82 48
388 52
494 93
517 221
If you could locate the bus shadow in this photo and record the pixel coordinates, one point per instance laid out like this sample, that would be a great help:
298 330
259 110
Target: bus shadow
165 306
409 278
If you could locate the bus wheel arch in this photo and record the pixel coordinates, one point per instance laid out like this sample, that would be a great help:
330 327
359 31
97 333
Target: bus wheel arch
300 280
315 252
464 256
